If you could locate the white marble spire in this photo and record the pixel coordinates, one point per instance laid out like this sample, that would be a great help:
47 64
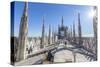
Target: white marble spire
23 31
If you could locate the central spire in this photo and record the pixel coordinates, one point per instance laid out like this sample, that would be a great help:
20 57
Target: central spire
62 21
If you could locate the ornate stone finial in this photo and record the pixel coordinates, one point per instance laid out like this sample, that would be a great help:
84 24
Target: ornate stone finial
25 9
